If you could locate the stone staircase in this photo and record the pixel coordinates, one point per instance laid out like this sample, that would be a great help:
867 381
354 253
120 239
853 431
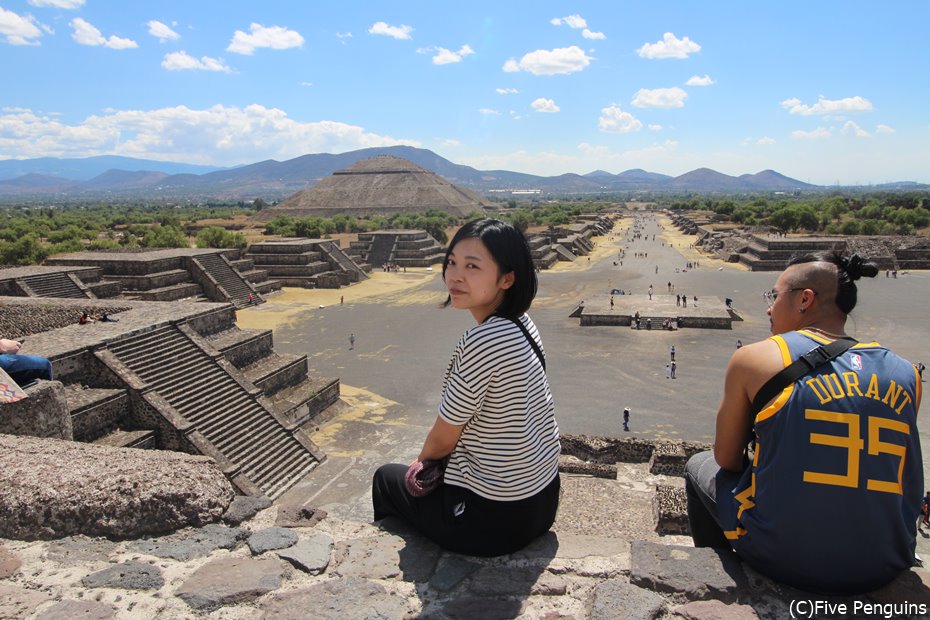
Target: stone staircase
237 289
54 285
382 247
335 255
219 405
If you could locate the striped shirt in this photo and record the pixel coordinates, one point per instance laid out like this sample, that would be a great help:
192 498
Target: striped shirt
497 388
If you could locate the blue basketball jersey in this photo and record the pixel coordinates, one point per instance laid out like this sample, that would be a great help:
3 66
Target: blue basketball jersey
831 499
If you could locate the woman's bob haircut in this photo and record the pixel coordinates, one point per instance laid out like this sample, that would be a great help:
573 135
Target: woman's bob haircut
511 252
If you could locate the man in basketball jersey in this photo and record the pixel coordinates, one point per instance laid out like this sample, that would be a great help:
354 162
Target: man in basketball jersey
840 440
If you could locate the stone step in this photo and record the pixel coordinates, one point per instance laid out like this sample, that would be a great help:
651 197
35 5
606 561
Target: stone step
131 283
248 441
242 347
205 390
170 293
290 477
95 411
144 439
284 459
276 372
670 509
268 286
255 275
226 417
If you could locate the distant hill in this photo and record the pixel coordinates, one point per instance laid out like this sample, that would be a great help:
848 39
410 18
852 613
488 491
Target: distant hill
94 177
87 168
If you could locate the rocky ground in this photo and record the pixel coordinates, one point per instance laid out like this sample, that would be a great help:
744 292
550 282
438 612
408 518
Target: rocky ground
274 561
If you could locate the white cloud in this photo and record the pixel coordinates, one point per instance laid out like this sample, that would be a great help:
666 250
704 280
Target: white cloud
697 80
820 132
306 84
18 29
450 143
397 32
577 22
669 47
182 61
220 135
343 36
446 57
550 62
58 4
827 106
272 37
853 129
655 127
663 98
488 112
86 34
515 115
547 106
162 32
506 91
572 21
615 120
884 129
765 141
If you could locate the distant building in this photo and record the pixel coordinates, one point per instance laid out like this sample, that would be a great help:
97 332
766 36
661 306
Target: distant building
383 185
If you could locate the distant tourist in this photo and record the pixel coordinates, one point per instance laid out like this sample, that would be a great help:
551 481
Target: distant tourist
351 341
495 432
85 319
626 419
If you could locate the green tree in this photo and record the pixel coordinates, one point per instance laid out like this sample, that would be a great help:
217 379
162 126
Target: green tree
165 237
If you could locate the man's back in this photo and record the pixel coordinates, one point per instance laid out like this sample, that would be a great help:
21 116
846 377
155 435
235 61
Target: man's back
833 494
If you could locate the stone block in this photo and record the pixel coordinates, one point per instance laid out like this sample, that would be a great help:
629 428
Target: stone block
271 538
310 555
188 544
618 599
231 580
43 414
51 488
127 575
692 573
338 599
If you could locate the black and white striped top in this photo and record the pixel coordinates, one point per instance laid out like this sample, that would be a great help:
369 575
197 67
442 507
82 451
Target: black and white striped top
497 388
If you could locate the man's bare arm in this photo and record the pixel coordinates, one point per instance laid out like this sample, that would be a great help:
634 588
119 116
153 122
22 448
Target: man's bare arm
748 370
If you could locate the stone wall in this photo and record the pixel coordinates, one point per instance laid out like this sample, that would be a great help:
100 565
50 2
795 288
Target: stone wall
43 414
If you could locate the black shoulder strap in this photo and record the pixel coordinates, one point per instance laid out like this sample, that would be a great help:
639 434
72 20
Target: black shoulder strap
800 367
539 354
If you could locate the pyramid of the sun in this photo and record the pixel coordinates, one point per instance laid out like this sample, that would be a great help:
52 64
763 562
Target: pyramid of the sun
382 185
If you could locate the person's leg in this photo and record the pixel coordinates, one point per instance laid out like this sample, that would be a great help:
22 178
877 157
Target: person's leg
700 486
24 369
434 515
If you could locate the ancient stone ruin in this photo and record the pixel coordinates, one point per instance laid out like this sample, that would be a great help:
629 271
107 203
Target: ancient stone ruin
178 376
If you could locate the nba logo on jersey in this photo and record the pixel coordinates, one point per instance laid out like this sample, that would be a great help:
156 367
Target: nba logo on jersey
857 361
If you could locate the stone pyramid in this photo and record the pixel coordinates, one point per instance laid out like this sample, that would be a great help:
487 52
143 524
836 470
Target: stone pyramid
382 185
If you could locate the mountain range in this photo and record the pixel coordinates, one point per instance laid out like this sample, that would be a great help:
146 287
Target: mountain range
110 177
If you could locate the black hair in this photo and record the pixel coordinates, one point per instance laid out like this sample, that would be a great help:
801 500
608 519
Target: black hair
511 252
849 268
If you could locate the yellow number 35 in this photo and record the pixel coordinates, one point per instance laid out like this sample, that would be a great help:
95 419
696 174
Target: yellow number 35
853 443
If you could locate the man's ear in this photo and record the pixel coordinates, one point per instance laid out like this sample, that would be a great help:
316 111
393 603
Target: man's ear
507 280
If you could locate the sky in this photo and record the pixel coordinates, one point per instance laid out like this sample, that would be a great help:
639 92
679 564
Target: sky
827 92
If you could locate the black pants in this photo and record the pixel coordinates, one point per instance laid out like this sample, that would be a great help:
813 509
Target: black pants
462 521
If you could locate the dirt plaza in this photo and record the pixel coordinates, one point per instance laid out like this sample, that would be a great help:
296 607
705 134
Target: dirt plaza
392 377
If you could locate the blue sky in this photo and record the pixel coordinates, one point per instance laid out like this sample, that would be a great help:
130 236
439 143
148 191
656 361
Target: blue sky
825 92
